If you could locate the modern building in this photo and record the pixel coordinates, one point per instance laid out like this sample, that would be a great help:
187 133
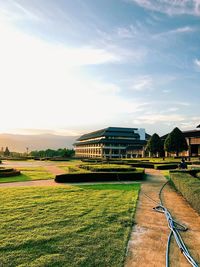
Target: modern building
112 142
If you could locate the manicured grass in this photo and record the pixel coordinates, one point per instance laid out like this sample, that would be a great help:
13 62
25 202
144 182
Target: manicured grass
66 226
29 174
188 185
72 166
166 174
126 187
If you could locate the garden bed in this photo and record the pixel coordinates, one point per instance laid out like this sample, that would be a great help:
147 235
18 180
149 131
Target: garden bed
8 172
100 177
188 185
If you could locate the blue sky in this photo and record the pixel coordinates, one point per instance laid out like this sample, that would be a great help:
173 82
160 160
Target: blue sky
69 67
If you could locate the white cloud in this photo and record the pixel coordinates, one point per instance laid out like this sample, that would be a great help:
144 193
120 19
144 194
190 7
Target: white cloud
181 30
172 109
197 62
171 7
158 118
14 11
166 91
127 32
142 83
43 85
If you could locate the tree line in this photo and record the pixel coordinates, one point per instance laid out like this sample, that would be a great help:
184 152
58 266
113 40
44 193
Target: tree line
50 153
174 143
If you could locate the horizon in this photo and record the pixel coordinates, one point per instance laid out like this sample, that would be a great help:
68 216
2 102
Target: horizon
68 68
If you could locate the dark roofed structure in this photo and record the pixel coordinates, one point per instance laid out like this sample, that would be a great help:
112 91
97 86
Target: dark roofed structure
110 131
112 142
193 140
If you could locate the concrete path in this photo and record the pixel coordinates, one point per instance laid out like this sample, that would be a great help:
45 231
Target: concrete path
149 236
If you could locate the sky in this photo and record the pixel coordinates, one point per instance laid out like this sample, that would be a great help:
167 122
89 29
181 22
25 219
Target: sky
70 67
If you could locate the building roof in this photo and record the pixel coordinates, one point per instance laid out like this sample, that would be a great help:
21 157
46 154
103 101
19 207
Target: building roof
110 131
147 136
190 133
112 141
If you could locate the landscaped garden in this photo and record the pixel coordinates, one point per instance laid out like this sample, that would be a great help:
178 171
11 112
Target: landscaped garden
66 226
28 174
187 182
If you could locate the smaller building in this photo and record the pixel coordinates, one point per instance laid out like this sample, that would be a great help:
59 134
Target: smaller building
193 140
112 142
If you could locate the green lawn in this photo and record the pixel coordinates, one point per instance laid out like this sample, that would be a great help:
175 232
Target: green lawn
28 174
71 166
66 226
166 174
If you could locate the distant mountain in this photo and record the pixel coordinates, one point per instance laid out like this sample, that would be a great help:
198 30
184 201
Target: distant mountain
18 143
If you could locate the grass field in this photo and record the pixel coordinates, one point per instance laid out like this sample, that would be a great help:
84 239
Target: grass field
28 174
66 226
165 173
72 166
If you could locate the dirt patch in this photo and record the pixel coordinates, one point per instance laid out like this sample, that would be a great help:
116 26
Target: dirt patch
149 236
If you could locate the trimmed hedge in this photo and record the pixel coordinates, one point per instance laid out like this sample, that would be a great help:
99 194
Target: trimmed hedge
107 168
188 186
165 166
8 172
142 165
100 177
192 172
195 162
59 159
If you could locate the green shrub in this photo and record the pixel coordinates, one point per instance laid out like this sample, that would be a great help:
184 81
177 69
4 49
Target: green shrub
107 168
8 172
198 174
192 172
165 166
188 186
195 162
142 165
100 177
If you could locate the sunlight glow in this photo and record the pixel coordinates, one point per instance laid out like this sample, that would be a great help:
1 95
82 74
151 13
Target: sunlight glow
42 85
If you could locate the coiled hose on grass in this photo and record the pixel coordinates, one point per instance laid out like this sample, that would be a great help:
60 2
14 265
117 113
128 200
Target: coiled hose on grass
174 227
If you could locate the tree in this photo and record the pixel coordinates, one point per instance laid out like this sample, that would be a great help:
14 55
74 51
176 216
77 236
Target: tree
154 145
6 152
175 142
50 153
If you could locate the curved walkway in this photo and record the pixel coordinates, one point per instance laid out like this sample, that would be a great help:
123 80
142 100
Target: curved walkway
149 236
